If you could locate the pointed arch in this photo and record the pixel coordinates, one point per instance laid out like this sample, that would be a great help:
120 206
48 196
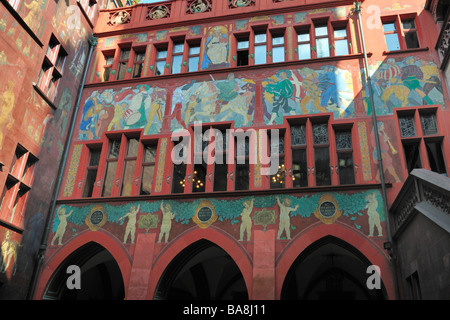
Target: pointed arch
101 237
372 252
216 236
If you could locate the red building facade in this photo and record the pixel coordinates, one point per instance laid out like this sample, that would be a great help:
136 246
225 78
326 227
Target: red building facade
156 229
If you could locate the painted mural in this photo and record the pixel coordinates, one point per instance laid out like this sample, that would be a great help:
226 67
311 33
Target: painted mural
10 247
403 82
308 91
287 214
128 108
217 49
231 99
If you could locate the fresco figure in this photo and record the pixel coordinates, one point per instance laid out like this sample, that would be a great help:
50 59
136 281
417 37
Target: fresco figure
9 251
216 50
312 91
334 87
387 151
412 75
282 90
7 99
246 221
62 216
285 223
130 229
166 223
372 213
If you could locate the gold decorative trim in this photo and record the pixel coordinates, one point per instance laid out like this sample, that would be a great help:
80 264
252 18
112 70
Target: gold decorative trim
327 210
96 218
205 215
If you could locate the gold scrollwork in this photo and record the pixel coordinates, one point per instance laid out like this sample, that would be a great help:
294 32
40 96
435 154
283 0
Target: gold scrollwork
205 215
327 210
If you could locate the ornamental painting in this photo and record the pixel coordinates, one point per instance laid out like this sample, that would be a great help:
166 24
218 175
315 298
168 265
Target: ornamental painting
403 82
308 91
128 108
217 49
288 215
231 99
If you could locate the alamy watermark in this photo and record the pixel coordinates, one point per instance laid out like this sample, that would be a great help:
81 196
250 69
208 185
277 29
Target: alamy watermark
249 143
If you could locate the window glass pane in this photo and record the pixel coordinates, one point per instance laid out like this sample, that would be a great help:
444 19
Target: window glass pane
162 54
179 174
340 33
299 168
392 42
320 133
435 156
321 31
242 176
278 54
304 51
128 177
242 44
160 66
178 47
278 179
304 36
260 54
346 171
429 125
343 140
122 70
260 38
176 64
124 54
323 48
193 64
278 40
411 39
409 24
412 155
137 70
109 178
199 178
389 27
89 183
341 47
194 50
132 149
106 73
114 148
220 173
407 127
147 179
109 60
322 162
95 157
149 154
139 56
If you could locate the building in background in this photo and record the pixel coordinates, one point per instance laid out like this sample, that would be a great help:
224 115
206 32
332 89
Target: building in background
44 50
250 77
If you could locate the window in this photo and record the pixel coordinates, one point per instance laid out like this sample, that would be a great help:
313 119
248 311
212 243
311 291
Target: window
321 154
260 47
91 174
322 41
179 169
345 167
111 167
242 163
278 51
341 41
220 160
123 63
303 44
242 51
129 166
52 67
138 65
299 158
107 67
14 3
193 57
419 126
414 286
400 33
148 168
161 56
177 56
18 184
278 180
88 7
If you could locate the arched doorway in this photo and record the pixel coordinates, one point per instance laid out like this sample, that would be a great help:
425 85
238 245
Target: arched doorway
203 270
101 278
330 269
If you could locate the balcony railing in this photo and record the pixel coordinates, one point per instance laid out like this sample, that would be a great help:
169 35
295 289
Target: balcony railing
426 192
